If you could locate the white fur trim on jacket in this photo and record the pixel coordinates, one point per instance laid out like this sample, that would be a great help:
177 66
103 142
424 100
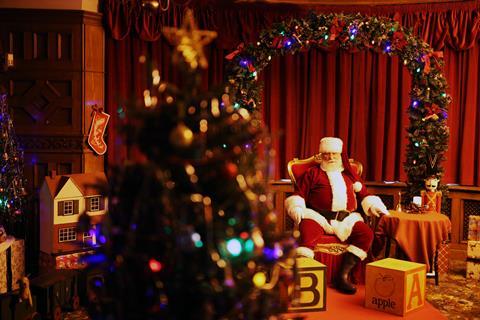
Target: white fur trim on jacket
295 206
371 202
305 252
357 251
343 229
339 190
318 218
357 186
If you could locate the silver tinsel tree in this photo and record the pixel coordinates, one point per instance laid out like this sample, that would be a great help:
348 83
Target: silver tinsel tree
12 190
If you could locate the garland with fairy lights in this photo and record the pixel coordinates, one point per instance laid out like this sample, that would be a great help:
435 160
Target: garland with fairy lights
427 132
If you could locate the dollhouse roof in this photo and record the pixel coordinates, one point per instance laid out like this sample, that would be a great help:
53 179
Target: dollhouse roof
89 184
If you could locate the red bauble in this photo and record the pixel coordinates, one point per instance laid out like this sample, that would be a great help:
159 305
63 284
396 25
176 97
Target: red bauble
231 169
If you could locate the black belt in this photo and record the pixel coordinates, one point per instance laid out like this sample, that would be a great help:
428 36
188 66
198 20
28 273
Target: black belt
335 215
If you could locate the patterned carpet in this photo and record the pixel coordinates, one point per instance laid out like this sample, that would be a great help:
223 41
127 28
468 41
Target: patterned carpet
455 296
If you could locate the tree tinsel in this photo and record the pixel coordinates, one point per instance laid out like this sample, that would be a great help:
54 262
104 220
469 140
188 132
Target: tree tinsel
191 230
427 132
12 184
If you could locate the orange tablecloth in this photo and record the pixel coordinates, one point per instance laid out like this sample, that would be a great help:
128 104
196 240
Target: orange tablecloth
417 234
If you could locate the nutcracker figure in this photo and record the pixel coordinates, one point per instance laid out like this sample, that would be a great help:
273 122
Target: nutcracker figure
431 198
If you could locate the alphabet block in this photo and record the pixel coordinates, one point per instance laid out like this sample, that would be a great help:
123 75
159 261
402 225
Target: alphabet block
473 269
312 286
473 249
395 286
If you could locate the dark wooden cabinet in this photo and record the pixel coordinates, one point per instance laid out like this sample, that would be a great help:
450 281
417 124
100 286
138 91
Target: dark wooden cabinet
57 78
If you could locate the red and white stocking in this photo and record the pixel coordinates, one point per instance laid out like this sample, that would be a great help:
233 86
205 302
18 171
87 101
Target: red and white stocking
97 129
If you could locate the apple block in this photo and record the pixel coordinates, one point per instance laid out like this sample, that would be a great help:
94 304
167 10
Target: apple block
473 249
311 284
395 286
473 269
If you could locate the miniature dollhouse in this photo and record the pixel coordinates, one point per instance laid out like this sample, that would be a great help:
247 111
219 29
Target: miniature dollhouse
63 199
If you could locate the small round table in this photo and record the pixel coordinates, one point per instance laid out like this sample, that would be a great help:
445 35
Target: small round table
418 235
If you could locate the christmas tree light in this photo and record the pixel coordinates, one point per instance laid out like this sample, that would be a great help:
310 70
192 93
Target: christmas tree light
12 189
188 227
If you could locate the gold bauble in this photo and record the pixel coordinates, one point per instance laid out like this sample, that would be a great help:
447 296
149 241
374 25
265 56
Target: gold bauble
181 136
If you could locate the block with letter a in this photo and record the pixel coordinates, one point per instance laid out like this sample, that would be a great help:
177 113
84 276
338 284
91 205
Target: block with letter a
311 283
395 286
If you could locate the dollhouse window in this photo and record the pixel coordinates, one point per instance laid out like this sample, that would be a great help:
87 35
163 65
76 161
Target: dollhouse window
87 237
94 204
67 234
68 207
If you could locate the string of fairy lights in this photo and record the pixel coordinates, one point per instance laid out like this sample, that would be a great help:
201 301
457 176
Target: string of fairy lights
12 190
427 132
194 222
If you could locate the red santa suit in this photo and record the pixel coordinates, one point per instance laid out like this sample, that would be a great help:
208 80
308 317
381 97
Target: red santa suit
319 193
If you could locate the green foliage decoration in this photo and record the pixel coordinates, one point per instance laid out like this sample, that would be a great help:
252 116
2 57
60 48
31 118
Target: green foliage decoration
427 132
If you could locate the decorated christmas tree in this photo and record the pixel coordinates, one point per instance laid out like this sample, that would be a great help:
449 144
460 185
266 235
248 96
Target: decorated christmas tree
191 232
12 191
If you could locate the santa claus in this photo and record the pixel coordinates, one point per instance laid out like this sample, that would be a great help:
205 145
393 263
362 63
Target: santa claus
325 201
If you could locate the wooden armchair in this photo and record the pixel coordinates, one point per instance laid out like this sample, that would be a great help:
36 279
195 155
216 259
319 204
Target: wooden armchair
330 249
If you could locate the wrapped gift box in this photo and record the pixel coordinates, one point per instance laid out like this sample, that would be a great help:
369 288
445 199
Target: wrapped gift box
443 256
473 269
312 278
12 263
473 249
11 308
395 286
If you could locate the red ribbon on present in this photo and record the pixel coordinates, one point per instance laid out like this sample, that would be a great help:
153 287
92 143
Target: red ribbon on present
233 54
436 54
426 67
278 42
432 111
336 28
250 67
432 108
399 39
426 60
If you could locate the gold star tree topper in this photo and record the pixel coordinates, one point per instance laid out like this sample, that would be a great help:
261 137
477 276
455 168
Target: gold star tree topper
189 41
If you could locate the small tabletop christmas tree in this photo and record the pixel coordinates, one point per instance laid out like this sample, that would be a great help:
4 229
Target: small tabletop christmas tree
12 191
192 232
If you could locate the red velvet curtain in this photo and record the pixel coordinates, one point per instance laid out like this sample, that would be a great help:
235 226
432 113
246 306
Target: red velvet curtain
360 97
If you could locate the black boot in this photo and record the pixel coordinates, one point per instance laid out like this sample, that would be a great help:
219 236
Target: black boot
342 283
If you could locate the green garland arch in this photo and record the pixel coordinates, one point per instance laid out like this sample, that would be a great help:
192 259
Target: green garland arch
428 132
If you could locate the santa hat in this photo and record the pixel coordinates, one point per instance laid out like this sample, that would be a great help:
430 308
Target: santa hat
330 144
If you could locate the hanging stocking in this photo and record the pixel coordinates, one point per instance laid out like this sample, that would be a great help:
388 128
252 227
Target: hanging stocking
97 129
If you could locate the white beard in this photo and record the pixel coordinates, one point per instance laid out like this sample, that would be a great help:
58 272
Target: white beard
331 166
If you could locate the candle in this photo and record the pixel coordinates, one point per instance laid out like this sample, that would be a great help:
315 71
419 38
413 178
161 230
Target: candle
417 201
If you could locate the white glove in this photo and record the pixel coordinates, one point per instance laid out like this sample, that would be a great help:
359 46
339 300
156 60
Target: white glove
296 213
377 211
295 205
373 206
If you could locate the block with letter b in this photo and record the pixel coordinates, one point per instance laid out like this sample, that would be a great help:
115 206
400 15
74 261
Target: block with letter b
311 284
395 286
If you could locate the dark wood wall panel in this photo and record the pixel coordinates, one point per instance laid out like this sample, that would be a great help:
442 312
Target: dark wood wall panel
46 103
44 46
57 78
40 164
